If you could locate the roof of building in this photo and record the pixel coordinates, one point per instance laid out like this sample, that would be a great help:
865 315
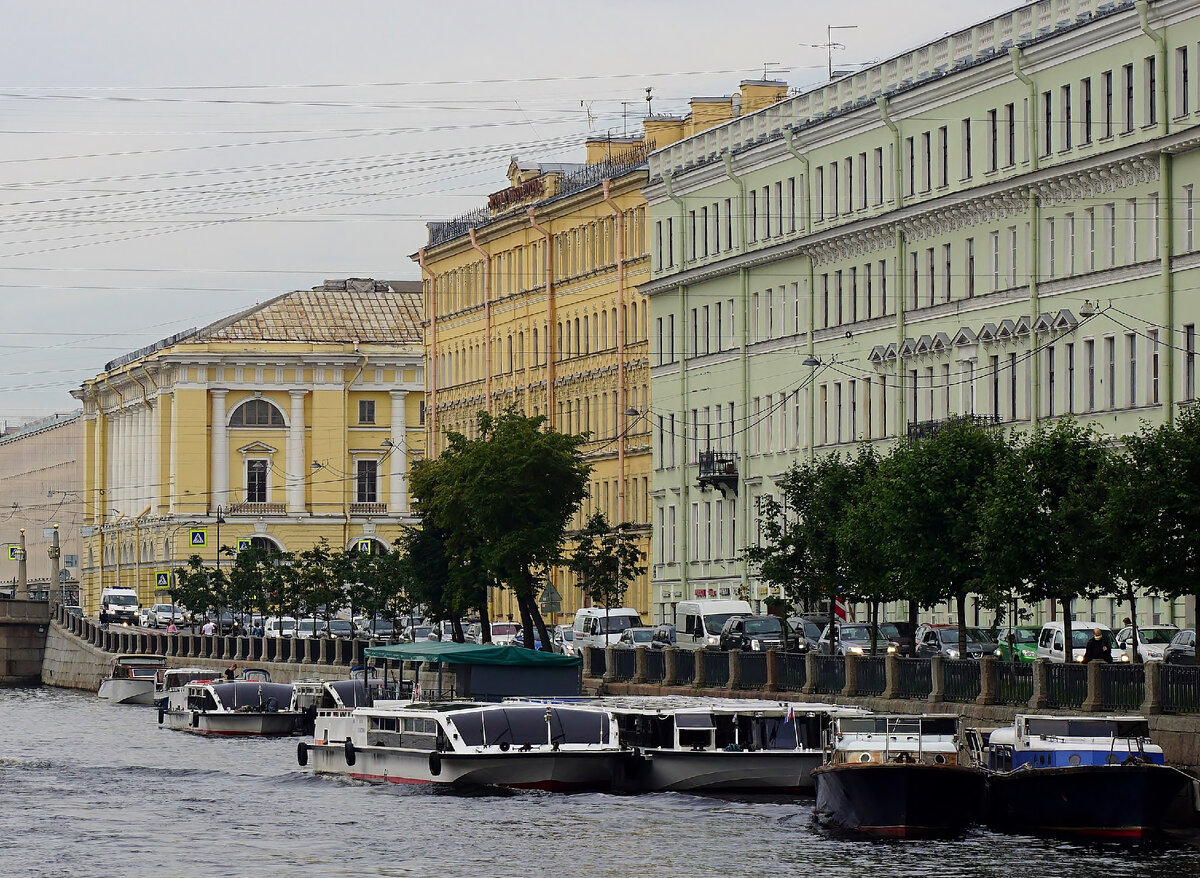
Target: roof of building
357 309
41 424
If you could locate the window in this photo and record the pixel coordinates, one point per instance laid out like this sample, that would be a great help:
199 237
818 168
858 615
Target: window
1154 362
1110 354
1051 363
256 481
366 473
1047 123
366 411
1151 95
1071 377
910 161
1089 348
943 156
970 267
993 139
966 145
1106 87
1085 99
1065 100
256 413
1127 87
1189 225
1182 82
1189 361
878 176
1131 350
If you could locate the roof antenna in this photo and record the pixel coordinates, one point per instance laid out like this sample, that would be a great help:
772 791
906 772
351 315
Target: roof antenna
649 98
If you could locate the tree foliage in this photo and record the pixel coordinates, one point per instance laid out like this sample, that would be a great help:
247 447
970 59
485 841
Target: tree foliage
606 560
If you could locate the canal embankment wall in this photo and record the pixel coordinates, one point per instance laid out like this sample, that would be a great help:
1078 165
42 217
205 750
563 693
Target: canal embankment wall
23 626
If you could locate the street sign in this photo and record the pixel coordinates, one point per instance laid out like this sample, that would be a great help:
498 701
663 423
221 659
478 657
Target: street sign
14 552
198 537
364 546
244 544
162 579
47 532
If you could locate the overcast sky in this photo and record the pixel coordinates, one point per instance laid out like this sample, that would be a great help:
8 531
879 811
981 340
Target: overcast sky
165 164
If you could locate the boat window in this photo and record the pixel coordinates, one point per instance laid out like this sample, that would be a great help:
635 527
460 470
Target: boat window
694 721
578 727
277 696
352 693
1087 728
383 724
942 725
780 735
419 725
470 728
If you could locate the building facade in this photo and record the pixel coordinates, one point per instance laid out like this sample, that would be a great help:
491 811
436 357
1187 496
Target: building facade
287 423
999 224
40 471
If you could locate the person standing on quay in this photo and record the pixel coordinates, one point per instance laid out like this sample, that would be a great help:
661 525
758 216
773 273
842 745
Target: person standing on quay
208 629
1097 648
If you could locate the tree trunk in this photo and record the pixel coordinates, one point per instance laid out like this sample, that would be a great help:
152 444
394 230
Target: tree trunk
526 621
1068 641
456 628
833 632
961 600
912 619
1137 653
485 624
873 614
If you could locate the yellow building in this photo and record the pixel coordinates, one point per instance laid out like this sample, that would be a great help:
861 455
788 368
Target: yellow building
531 301
291 421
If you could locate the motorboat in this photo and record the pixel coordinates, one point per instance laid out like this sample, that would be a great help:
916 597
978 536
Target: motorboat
132 679
900 776
696 743
176 678
232 707
1096 776
466 744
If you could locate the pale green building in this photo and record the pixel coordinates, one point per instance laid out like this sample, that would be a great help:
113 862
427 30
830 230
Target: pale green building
1000 223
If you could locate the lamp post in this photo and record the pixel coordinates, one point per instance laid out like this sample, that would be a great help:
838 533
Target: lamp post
221 510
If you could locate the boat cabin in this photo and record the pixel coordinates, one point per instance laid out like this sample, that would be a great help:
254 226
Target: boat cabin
1067 741
239 696
137 667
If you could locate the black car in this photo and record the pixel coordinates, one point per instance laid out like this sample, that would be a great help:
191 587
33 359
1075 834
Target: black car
903 634
943 640
1182 648
807 631
757 633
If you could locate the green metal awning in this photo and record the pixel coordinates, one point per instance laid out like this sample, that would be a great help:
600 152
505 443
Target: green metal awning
472 654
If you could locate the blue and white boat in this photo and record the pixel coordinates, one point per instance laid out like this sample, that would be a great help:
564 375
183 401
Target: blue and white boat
1097 776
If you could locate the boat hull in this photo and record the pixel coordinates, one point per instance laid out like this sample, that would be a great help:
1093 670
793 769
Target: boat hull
899 800
759 770
276 724
561 771
1098 801
127 691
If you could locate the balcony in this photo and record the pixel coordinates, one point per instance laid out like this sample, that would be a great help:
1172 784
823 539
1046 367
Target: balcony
718 469
248 508
925 429
360 510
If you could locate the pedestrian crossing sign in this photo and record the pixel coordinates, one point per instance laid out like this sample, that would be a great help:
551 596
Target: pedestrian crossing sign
14 552
243 544
364 546
162 579
198 537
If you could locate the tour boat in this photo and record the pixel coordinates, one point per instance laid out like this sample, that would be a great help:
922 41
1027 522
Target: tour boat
235 707
899 776
1096 776
468 744
692 743
176 678
132 679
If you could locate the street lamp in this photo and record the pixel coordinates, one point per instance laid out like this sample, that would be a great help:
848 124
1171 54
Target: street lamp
221 510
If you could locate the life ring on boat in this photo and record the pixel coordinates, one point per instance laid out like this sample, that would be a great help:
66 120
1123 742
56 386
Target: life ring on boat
435 763
302 753
351 757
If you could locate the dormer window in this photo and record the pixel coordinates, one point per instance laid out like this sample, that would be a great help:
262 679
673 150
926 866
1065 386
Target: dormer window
256 413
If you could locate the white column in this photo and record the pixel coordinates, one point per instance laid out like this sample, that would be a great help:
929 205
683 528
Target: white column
398 460
154 488
219 454
296 468
141 428
170 479
123 461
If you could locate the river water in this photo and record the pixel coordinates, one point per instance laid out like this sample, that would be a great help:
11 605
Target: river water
92 790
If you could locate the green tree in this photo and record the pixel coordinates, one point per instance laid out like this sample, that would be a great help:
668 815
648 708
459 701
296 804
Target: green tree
607 560
445 588
199 588
318 581
505 500
930 492
1043 527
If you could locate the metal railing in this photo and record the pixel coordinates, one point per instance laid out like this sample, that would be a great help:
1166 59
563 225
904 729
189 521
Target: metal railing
716 667
1122 687
1014 682
624 663
656 666
960 679
916 678
685 666
831 674
1181 688
792 668
872 674
753 670
1066 684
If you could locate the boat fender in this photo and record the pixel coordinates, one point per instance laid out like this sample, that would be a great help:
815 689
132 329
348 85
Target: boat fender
302 753
435 763
161 712
350 754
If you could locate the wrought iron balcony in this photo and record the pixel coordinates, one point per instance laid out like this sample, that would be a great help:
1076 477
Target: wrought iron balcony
924 429
718 469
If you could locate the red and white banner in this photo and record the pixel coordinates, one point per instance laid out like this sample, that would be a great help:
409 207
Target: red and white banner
839 609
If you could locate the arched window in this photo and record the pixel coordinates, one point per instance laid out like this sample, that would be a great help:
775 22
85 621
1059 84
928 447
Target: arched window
266 544
256 413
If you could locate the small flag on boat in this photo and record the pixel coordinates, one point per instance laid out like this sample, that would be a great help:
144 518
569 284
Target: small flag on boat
790 716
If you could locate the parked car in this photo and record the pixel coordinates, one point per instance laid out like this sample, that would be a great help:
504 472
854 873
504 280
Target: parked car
73 610
903 634
145 617
809 630
757 633
1152 640
855 639
1050 641
564 639
1017 643
413 633
378 629
1182 648
223 621
279 626
506 634
943 640
339 629
664 636
639 636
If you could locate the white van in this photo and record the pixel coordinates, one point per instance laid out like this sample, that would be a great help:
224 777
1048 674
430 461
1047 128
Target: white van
590 625
120 604
279 626
1050 640
698 623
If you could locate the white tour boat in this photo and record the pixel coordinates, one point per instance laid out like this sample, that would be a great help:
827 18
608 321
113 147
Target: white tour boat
235 707
132 679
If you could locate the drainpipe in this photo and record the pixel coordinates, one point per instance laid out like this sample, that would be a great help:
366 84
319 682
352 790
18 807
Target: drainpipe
901 284
487 317
551 317
431 377
789 135
680 442
744 358
1035 245
619 217
1160 40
